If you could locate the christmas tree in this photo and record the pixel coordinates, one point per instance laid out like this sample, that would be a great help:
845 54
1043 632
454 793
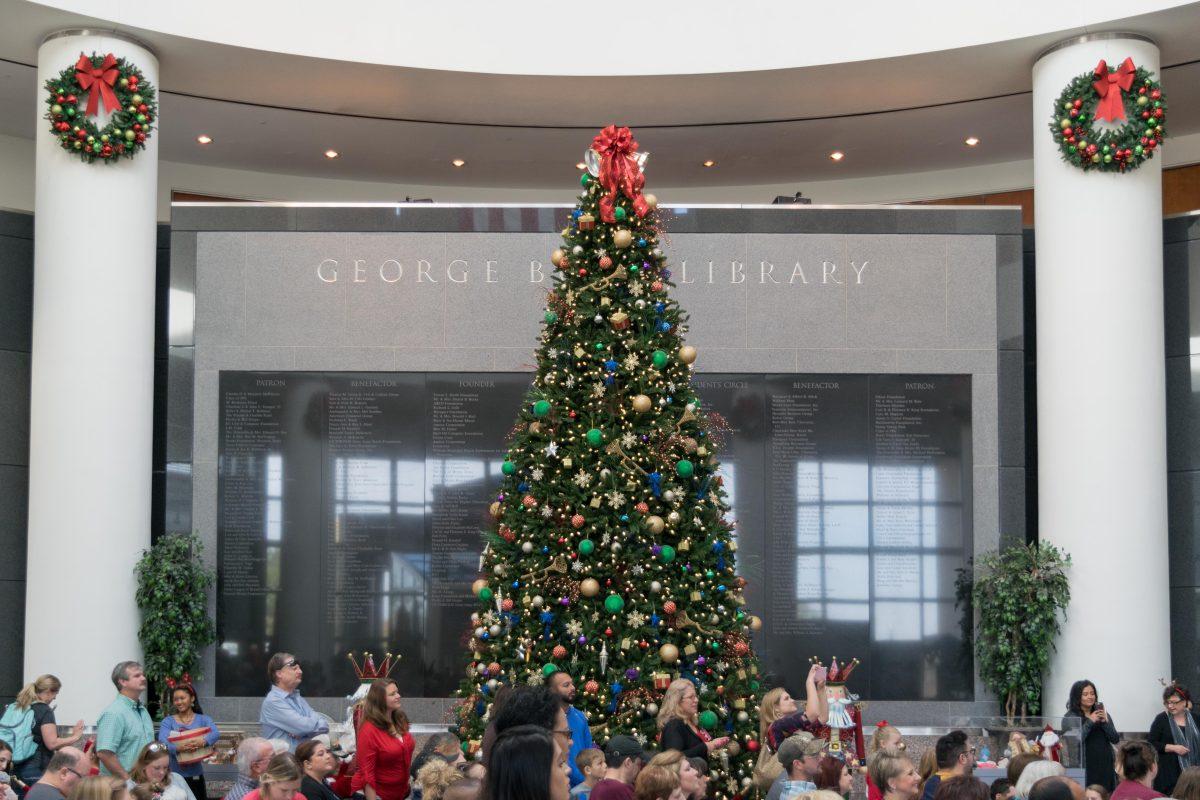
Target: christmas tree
609 554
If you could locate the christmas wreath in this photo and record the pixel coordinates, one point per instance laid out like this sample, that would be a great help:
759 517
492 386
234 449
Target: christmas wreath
1127 96
123 91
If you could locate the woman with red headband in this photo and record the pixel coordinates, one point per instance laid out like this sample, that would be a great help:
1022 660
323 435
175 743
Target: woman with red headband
1175 736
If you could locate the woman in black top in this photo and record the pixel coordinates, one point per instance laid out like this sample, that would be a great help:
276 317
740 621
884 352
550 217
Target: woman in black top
317 763
1175 736
1097 733
38 696
677 721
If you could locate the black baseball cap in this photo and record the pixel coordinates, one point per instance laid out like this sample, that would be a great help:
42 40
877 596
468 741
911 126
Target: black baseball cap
622 747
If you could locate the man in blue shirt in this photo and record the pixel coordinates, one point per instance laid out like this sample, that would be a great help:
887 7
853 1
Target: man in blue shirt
124 728
561 684
285 714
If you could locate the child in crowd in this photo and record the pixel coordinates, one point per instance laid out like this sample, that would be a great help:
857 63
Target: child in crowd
1002 789
590 762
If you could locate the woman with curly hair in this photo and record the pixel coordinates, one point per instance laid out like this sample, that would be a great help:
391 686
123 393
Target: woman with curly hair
679 725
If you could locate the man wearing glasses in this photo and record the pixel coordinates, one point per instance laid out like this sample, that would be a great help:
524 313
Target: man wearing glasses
285 714
955 757
65 769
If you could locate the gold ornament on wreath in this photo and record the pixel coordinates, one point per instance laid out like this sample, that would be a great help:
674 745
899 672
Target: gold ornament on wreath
96 85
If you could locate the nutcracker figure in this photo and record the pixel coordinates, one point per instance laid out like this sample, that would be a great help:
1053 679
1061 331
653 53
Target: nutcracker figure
843 730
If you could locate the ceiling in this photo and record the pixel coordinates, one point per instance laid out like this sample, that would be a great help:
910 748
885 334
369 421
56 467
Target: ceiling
403 125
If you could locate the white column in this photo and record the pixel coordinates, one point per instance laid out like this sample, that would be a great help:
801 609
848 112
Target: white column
91 399
1102 462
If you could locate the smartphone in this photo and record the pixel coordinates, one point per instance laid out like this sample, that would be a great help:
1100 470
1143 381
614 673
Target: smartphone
1099 706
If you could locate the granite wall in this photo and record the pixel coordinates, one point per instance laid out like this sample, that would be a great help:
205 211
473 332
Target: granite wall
254 288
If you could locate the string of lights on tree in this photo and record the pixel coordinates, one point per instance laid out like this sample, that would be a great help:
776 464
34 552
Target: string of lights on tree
609 554
1126 94
98 84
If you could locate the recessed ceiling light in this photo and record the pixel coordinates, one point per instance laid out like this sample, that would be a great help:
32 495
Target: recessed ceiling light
458 162
204 138
332 154
710 163
971 141
581 165
837 155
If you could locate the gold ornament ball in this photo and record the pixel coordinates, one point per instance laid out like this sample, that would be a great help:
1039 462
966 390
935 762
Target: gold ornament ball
733 748
655 524
687 354
641 404
755 623
651 200
589 587
673 518
669 653
477 586
557 256
622 239
494 509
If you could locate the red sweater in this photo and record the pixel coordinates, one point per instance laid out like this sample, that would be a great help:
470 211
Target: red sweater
383 762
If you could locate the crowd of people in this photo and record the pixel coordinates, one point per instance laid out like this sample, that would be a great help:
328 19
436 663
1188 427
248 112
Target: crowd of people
538 746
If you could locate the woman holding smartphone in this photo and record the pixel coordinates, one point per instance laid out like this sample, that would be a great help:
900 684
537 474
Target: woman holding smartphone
1098 734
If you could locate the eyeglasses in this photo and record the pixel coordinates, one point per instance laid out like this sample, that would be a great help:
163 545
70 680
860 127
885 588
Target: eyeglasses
77 773
291 662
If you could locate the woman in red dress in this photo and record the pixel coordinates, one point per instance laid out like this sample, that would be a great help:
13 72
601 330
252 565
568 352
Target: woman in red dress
385 747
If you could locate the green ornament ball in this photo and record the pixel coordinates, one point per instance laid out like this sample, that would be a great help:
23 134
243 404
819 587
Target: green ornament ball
541 408
550 318
584 178
97 147
508 468
599 346
70 112
549 669
466 748
595 437
708 720
614 603
684 468
667 553
708 573
141 117
619 213
587 547
485 594
660 358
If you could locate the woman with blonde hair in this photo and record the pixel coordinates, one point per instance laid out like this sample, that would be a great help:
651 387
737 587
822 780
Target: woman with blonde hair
36 698
436 777
768 767
153 768
1188 785
99 787
280 781
885 737
893 772
925 769
1034 773
678 722
656 782
689 778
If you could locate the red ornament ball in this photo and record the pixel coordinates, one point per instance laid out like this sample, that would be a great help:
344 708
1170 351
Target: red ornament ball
656 286
752 745
605 262
582 272
529 501
669 607
577 521
741 648
72 99
494 667
591 687
642 508
559 652
507 604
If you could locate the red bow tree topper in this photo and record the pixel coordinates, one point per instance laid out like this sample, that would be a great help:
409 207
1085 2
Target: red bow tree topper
619 171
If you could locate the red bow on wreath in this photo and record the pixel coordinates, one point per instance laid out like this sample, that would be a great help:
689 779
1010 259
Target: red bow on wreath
98 81
1110 86
619 170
